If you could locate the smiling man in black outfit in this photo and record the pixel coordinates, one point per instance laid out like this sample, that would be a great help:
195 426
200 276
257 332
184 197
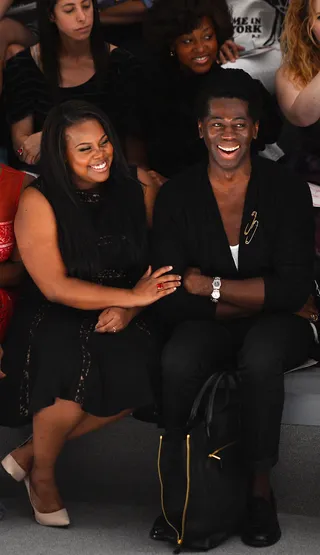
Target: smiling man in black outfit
239 229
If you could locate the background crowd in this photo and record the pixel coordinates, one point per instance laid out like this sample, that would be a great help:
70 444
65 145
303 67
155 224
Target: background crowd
104 105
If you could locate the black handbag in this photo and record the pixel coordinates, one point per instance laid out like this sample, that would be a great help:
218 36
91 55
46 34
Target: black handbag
203 480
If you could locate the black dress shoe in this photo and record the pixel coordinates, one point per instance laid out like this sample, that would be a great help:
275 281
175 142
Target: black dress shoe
161 531
261 528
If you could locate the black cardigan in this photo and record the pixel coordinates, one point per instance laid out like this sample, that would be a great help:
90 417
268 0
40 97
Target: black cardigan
188 231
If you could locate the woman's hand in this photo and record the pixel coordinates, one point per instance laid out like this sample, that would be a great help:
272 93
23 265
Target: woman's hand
309 311
157 178
154 286
2 375
29 150
229 52
114 319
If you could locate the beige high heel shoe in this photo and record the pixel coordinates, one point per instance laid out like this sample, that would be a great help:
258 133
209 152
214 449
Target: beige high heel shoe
11 466
57 519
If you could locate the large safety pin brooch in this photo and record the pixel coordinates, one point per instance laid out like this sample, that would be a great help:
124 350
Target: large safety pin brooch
251 228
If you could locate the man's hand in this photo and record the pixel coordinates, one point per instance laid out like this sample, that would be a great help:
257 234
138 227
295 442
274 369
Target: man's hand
229 52
157 178
196 283
309 311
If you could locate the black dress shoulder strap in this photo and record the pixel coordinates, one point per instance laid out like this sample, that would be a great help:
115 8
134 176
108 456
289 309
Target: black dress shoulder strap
37 184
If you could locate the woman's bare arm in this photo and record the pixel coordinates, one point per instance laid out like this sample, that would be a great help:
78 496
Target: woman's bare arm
150 191
37 239
36 233
24 138
125 13
11 272
4 6
301 106
20 131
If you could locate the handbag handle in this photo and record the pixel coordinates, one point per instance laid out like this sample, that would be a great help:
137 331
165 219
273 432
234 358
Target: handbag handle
209 384
227 377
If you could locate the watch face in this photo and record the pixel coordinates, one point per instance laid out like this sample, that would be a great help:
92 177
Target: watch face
215 294
217 283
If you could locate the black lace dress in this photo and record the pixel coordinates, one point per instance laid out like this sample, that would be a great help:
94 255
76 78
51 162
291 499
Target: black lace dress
52 350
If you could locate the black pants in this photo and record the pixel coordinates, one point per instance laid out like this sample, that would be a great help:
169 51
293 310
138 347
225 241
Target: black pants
263 347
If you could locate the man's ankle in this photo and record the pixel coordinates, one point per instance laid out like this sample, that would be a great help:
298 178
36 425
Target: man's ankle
261 486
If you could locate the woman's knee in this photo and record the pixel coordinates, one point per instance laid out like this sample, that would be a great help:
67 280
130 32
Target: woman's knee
13 50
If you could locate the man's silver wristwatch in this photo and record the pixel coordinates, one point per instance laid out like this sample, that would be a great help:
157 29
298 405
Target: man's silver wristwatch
216 285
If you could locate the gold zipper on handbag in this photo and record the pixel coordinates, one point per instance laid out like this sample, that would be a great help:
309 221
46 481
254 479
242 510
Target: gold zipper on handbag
180 537
215 454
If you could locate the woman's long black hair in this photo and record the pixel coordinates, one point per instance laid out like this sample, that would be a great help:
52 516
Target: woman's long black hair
50 44
77 241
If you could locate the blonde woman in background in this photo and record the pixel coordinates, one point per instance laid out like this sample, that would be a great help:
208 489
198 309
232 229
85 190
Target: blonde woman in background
298 82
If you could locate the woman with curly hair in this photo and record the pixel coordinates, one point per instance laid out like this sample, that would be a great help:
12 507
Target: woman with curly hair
186 37
298 81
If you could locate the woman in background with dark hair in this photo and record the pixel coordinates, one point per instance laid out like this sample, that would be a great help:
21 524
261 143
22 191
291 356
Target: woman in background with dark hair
71 61
85 353
186 36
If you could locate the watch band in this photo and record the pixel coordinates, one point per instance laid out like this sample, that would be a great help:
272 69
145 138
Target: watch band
216 285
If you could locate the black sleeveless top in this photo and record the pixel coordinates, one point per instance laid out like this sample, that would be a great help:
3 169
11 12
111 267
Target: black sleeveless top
115 211
26 91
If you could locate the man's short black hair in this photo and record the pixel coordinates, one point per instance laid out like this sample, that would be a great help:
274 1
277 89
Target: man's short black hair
230 83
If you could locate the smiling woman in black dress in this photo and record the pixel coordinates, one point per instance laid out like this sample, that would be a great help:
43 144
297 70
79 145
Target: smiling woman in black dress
85 352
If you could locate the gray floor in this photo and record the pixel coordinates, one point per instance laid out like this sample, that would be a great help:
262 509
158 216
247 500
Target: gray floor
113 529
110 487
119 464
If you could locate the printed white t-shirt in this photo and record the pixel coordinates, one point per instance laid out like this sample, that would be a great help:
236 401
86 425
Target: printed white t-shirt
257 23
